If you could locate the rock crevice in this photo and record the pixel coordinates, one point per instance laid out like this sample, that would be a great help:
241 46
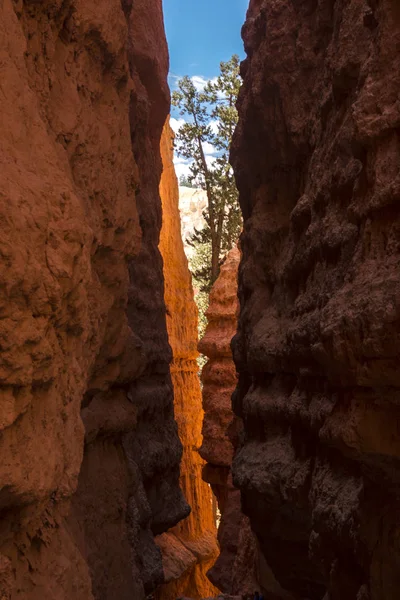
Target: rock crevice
190 548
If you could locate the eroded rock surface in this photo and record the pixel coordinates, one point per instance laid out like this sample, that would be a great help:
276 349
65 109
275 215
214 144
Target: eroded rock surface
235 570
191 548
316 157
86 394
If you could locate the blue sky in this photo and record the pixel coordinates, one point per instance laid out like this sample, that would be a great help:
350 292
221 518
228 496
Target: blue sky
201 34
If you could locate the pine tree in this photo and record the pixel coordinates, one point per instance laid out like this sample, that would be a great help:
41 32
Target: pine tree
185 182
212 118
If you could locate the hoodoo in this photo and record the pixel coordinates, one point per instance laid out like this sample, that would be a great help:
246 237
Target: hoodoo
236 568
316 157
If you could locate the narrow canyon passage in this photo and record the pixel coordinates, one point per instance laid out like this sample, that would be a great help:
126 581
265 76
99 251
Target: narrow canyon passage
190 549
108 462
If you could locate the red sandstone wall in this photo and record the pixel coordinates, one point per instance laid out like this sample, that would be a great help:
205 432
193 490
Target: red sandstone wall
86 396
316 156
189 549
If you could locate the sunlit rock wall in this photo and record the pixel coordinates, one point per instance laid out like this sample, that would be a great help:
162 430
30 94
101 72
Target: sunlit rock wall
190 549
86 396
316 157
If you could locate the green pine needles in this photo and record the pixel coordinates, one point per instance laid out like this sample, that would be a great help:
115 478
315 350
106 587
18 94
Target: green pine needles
210 120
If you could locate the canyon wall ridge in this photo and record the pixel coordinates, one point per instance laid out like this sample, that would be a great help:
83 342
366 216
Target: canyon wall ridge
316 156
89 445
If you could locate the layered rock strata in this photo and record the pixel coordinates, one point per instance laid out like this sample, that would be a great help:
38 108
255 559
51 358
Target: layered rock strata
316 157
87 403
235 570
191 548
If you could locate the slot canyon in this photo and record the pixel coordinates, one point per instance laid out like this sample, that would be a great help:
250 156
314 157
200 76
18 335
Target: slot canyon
124 475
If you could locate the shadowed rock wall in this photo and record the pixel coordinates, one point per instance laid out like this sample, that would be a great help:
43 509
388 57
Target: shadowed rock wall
191 548
235 569
86 394
316 157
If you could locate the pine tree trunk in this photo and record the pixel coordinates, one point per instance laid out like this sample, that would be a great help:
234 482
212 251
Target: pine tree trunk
214 263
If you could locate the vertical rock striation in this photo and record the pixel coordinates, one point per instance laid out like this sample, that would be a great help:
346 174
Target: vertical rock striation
235 570
86 394
316 157
189 549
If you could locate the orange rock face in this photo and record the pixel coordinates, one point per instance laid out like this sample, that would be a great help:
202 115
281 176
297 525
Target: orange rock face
86 398
189 549
235 570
